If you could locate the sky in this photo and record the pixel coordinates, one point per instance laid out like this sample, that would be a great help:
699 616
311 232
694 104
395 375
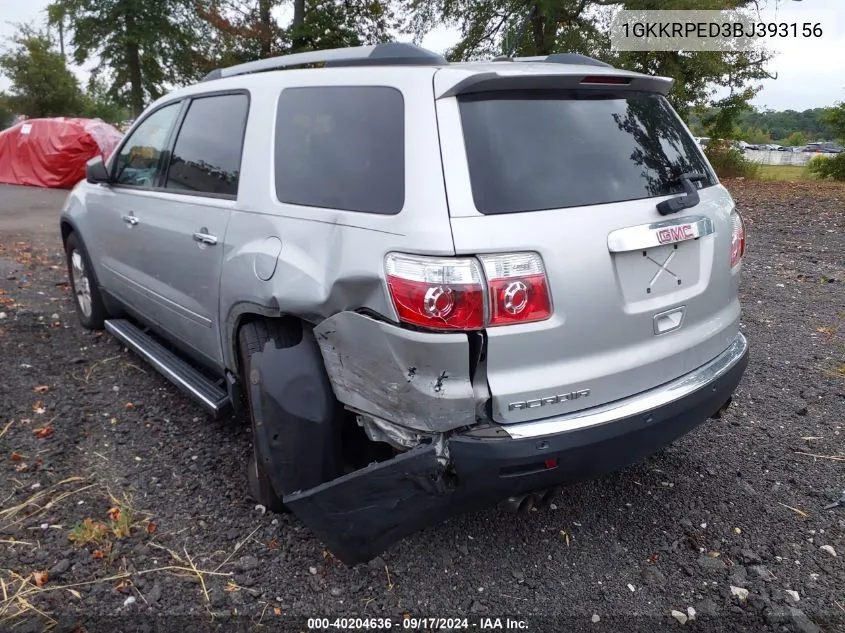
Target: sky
810 72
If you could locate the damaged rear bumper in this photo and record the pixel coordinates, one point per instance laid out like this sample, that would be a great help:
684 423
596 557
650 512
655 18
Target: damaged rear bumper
361 514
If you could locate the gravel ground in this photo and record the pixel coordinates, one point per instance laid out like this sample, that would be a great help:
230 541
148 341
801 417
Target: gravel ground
728 521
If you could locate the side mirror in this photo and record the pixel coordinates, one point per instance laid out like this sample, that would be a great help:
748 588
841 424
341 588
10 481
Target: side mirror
95 171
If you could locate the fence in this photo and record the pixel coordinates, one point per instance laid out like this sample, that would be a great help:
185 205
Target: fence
774 157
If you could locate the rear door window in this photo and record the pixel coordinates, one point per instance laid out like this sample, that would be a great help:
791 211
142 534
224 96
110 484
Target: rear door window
207 155
551 150
341 147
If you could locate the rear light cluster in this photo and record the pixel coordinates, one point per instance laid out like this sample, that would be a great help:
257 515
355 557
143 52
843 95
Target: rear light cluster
737 238
446 293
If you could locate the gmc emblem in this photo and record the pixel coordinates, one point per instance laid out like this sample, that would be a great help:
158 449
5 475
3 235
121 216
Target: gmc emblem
676 234
543 402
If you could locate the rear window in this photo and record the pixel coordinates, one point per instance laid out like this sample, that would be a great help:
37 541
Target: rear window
550 150
341 147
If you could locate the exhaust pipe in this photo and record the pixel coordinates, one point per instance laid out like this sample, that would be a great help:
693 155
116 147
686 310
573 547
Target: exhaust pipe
527 504
511 504
522 504
550 495
519 504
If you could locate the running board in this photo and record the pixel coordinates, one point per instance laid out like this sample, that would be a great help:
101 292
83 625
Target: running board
180 373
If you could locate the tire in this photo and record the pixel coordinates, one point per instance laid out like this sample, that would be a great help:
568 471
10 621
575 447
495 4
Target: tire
251 340
86 293
260 487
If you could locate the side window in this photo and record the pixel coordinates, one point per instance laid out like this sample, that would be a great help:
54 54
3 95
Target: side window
207 155
140 157
341 147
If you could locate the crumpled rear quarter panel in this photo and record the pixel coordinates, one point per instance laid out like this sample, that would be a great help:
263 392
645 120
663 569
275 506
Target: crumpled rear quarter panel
418 380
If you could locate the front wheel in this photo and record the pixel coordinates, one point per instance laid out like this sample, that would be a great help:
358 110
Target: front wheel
86 293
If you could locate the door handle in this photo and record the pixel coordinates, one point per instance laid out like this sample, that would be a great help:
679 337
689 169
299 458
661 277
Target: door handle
130 219
205 238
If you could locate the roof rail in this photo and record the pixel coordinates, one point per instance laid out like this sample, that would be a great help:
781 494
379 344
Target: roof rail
387 54
575 59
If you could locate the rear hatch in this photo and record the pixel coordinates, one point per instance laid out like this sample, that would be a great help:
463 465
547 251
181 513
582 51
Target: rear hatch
575 174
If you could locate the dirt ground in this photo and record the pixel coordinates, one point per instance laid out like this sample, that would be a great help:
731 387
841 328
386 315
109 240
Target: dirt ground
120 500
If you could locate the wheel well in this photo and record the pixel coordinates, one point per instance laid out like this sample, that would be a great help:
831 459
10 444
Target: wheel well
243 320
67 229
357 449
234 343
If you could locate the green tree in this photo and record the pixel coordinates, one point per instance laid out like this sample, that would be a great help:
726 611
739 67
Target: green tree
540 27
828 167
755 136
779 125
794 139
146 45
41 84
720 121
835 118
245 30
239 31
97 103
339 23
7 117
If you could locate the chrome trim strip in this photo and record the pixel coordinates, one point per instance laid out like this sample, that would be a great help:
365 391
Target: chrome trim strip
639 404
636 238
219 201
115 330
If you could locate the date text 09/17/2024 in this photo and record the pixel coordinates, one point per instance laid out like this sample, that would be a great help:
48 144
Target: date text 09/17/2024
416 624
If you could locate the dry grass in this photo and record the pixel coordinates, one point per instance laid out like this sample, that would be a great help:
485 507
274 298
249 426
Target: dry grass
835 458
17 603
6 428
41 502
19 592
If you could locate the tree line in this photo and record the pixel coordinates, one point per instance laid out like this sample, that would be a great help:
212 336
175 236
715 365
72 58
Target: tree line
787 127
143 49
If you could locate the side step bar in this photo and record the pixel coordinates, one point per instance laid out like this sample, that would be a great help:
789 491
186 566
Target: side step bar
180 373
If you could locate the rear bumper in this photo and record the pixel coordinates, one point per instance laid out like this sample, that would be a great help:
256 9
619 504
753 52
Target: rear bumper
361 514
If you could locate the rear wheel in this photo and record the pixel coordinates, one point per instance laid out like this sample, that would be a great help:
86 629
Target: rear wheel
260 486
86 293
252 338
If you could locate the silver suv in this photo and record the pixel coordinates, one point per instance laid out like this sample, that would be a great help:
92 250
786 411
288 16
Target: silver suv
429 286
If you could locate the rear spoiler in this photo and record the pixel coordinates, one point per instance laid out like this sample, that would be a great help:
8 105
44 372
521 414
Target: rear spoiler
585 79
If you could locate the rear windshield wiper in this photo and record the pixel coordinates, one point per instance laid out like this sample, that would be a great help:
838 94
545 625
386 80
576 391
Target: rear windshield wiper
688 200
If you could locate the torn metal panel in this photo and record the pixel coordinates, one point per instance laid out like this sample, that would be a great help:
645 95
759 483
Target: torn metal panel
417 379
399 437
379 430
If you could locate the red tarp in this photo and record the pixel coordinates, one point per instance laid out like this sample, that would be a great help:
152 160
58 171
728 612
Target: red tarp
53 152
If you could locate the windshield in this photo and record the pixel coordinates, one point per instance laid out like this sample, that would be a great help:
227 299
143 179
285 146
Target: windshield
550 150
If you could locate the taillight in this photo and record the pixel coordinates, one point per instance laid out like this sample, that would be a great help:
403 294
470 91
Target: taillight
737 238
436 293
445 293
519 292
